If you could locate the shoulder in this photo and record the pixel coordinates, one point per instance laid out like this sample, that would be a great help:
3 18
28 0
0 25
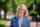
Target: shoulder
26 18
14 18
29 17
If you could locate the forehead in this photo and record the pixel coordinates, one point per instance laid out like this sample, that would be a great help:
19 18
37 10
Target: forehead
21 9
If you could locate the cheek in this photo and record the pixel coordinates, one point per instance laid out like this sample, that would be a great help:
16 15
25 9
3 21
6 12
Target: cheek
21 12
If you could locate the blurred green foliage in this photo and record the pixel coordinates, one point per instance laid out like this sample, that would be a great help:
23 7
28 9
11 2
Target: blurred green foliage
2 25
3 22
38 1
12 4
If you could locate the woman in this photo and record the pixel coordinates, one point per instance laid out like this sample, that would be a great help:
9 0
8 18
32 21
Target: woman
21 20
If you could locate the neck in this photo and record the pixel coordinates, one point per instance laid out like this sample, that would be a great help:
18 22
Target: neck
19 17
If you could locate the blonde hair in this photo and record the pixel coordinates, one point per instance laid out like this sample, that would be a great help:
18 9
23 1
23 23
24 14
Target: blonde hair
23 7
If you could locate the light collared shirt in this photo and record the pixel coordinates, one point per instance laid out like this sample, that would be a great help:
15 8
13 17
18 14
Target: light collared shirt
20 21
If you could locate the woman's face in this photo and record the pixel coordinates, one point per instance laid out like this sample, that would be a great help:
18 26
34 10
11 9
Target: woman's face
21 12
